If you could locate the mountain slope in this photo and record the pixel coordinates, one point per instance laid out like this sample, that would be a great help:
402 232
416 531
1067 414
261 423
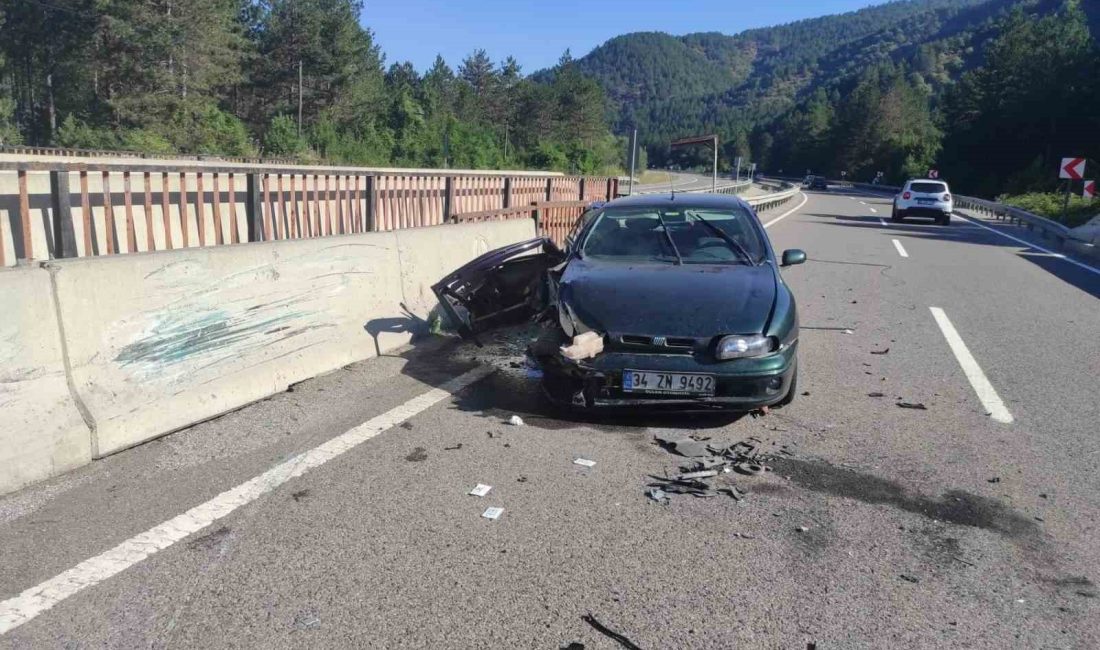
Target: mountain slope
671 86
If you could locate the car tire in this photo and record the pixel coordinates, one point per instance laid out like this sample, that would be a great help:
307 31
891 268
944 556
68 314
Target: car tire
897 215
945 220
792 391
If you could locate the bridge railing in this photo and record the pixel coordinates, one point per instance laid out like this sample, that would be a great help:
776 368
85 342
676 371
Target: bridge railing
61 209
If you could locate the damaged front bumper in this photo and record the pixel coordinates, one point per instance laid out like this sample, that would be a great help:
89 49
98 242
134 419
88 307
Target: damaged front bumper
597 383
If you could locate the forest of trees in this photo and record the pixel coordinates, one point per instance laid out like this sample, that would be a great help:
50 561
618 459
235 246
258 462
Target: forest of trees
991 92
222 77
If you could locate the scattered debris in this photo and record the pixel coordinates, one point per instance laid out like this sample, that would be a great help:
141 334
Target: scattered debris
658 495
805 393
1042 495
522 479
911 405
693 475
406 425
876 395
515 421
802 529
481 490
458 446
494 434
614 636
959 559
585 346
576 645
995 479
684 446
848 331
417 455
886 351
300 494
584 462
749 469
493 513
909 578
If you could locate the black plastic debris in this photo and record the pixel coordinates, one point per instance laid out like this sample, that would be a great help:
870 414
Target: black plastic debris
457 446
909 578
876 395
609 633
995 479
917 406
886 351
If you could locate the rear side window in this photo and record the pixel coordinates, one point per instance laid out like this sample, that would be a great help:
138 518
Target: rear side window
928 188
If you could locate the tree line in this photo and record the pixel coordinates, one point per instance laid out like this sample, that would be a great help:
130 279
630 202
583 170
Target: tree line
1002 126
297 79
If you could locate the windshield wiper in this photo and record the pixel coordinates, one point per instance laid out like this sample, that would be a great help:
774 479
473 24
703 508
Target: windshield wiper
734 244
664 227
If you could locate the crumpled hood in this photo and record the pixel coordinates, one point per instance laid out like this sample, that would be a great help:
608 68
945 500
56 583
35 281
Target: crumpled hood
669 300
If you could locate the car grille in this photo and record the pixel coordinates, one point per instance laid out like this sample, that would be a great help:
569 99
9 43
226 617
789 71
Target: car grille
673 343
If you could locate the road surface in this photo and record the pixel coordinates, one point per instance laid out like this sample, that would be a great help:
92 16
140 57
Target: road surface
972 523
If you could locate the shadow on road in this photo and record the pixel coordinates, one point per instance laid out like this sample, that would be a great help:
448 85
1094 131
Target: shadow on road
1072 274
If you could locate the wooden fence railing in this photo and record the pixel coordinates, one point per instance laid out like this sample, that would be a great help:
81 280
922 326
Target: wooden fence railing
52 209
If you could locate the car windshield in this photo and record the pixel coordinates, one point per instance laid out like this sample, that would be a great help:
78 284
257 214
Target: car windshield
693 235
928 188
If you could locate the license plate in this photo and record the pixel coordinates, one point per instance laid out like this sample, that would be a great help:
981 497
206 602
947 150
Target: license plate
926 201
667 383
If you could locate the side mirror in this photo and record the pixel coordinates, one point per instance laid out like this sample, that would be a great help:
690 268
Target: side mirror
793 256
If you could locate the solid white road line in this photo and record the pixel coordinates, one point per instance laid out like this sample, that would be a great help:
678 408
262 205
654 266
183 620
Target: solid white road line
986 393
901 249
1030 245
32 602
788 212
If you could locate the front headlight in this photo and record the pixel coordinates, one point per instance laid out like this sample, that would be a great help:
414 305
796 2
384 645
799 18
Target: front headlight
739 347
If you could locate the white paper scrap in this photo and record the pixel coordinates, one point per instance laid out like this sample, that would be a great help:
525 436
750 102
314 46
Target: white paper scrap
584 462
493 513
481 490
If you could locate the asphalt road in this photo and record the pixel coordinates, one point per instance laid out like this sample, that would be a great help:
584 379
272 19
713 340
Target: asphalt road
683 182
887 527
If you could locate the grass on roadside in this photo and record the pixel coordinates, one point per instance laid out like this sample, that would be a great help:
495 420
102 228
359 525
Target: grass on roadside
1049 205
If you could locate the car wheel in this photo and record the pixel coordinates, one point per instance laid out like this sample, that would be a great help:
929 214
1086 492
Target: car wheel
945 220
791 392
897 215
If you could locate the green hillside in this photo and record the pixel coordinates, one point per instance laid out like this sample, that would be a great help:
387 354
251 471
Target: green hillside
832 92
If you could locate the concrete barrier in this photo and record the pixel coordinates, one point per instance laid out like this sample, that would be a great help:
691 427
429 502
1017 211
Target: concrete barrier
158 341
41 430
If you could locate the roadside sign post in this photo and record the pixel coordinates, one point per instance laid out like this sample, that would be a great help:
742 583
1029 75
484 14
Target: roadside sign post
633 152
737 166
933 173
1090 190
1072 169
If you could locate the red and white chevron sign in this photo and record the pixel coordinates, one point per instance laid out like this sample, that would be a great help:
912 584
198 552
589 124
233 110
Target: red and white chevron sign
1090 190
1072 168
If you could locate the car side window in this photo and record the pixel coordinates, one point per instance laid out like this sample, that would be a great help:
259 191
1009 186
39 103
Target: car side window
582 223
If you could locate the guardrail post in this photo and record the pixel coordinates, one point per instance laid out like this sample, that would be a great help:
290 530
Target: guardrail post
64 237
448 198
507 192
580 189
372 205
549 188
253 210
535 215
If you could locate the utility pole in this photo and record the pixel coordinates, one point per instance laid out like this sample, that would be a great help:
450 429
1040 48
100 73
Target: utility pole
300 98
714 177
633 152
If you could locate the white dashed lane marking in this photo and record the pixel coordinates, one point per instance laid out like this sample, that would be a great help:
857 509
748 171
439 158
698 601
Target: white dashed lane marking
901 249
986 393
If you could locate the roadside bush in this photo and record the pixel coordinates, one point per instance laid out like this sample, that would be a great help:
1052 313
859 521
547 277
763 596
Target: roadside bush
1049 205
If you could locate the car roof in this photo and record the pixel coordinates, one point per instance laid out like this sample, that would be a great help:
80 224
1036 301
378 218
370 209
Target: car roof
669 200
926 180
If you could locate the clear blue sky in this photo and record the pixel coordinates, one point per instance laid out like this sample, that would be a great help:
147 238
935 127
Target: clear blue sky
536 33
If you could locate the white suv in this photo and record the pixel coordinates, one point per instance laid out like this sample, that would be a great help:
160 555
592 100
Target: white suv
925 198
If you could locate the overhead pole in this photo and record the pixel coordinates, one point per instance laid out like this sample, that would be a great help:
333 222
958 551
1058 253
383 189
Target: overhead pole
708 140
633 154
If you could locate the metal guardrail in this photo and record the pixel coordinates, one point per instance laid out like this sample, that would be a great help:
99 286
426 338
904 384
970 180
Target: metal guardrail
728 188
